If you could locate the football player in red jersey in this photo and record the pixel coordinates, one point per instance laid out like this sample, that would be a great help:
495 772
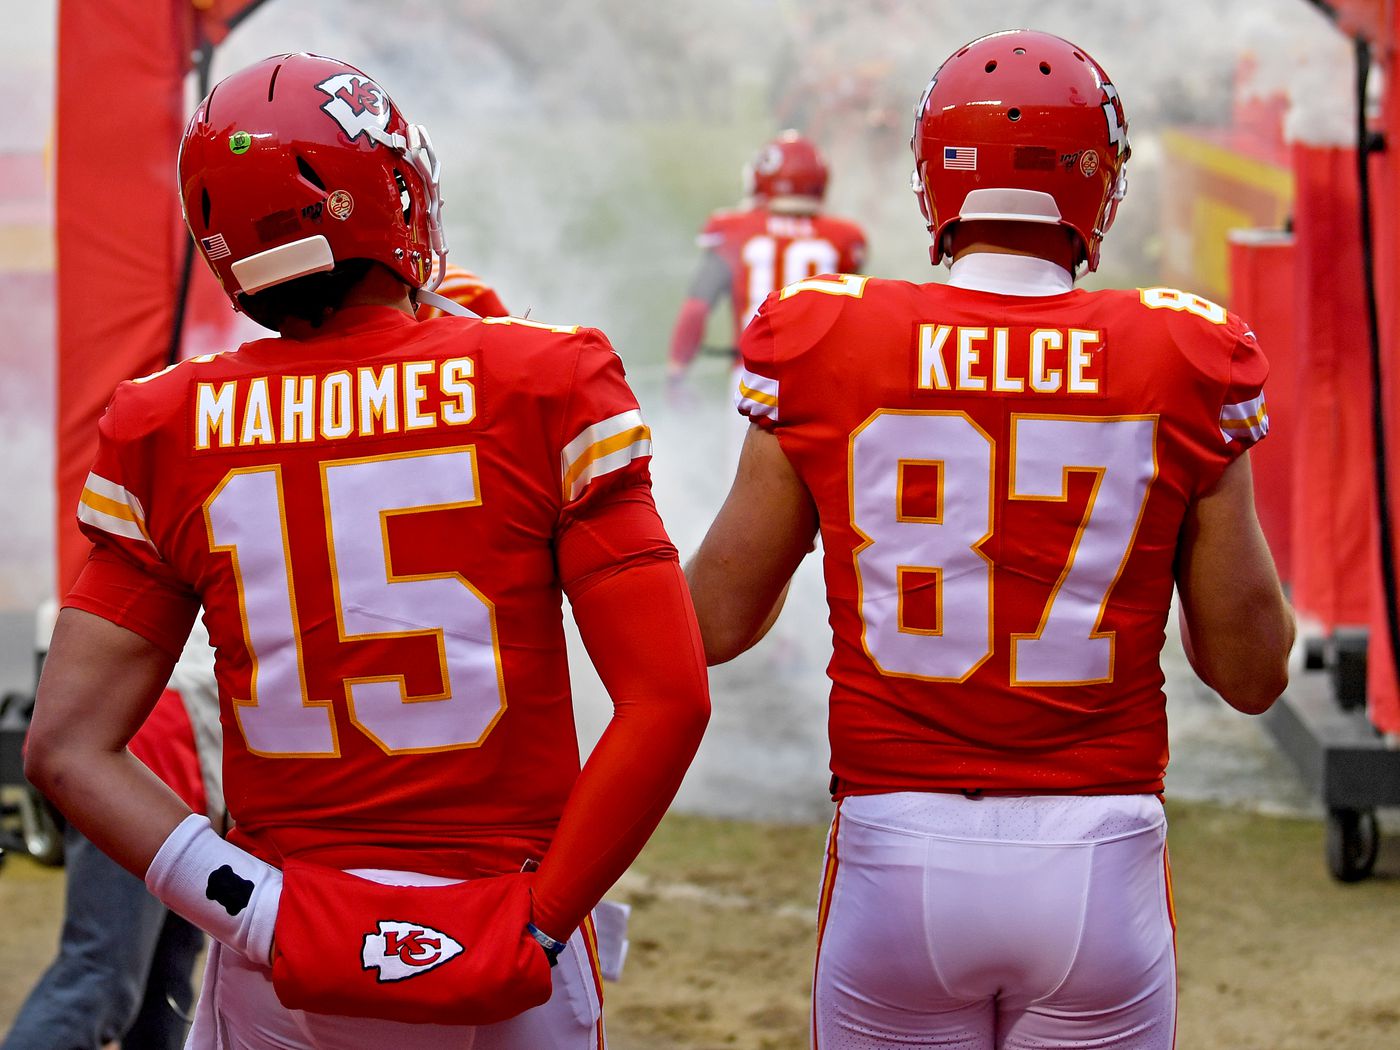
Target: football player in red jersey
380 517
780 236
1009 476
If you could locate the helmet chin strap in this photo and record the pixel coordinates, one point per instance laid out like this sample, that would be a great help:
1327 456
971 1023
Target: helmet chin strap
446 305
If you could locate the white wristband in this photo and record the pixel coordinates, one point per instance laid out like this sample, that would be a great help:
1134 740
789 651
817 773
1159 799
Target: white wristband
224 890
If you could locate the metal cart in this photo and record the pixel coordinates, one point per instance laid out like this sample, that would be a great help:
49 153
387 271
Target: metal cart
1320 723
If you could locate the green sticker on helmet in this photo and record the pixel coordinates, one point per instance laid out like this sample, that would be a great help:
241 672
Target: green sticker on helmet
239 142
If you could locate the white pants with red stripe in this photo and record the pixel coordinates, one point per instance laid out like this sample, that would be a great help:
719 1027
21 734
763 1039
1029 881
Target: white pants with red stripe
238 1009
996 924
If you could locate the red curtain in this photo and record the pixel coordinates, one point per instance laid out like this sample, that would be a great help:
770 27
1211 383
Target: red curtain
1262 267
121 69
121 75
1333 516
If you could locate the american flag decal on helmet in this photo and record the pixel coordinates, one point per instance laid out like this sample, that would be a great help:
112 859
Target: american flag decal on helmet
960 158
215 247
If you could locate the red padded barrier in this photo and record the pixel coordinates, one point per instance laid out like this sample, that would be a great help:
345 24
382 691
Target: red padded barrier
1262 264
1333 517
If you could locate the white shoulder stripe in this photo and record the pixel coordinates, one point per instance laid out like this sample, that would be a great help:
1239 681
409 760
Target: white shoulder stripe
601 448
757 395
108 523
108 506
1246 421
606 464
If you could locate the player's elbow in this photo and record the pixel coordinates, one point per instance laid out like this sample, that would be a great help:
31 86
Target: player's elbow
48 763
1255 691
1251 676
723 643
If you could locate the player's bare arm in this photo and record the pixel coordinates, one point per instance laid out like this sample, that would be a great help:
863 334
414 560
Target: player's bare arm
738 577
83 718
1235 623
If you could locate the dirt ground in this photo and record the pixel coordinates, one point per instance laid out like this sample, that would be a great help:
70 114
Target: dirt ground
1273 954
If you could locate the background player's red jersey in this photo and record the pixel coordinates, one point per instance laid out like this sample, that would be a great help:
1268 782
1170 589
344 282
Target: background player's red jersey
379 516
1001 482
766 250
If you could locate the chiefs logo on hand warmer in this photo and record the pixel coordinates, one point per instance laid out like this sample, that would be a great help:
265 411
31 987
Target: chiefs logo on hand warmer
469 956
402 949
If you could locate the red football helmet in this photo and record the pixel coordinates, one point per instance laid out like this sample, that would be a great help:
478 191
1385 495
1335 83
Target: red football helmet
300 162
788 174
1022 126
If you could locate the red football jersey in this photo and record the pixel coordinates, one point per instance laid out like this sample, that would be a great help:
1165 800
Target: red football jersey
766 250
1001 482
372 520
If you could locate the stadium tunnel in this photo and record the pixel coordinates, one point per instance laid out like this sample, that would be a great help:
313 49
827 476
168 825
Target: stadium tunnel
1322 281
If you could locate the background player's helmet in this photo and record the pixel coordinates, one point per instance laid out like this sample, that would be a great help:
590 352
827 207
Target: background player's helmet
301 162
789 174
1022 126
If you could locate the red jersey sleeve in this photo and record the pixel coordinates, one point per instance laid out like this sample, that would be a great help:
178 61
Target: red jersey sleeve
126 580
757 393
851 244
790 322
605 445
711 235
1244 415
623 579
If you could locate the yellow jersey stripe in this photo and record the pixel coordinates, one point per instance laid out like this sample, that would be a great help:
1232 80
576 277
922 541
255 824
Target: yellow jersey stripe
1244 424
107 506
749 393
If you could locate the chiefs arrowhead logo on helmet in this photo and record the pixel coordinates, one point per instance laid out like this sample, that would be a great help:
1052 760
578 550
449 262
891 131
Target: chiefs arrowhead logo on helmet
401 950
358 105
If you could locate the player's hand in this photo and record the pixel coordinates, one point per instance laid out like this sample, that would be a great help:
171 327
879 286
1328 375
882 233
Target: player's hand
456 955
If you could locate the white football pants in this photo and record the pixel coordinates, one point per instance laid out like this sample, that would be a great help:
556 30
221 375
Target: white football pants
996 924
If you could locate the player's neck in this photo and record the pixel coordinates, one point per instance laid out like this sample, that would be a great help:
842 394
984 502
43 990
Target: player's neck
378 287
1053 243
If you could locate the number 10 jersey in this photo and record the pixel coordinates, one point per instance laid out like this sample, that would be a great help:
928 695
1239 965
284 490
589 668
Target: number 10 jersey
1001 482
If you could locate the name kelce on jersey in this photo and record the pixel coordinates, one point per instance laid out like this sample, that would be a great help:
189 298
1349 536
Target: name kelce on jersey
973 359
361 402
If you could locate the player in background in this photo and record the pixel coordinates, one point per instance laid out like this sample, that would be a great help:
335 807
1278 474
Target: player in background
124 973
380 517
1009 474
467 290
779 236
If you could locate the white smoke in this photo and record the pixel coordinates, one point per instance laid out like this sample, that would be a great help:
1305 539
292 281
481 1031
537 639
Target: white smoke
585 142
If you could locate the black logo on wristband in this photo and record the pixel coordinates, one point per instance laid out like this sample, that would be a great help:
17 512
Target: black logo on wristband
230 889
